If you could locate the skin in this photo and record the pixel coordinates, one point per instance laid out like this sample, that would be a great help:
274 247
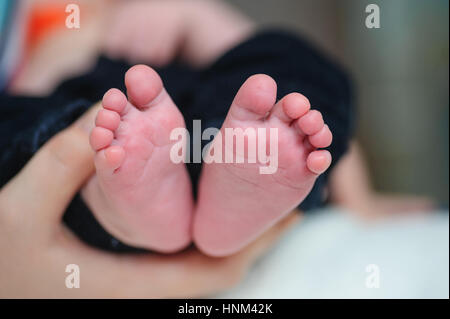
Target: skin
236 203
141 197
157 32
36 246
138 194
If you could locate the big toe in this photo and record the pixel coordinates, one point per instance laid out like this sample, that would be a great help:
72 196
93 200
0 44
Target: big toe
143 85
255 98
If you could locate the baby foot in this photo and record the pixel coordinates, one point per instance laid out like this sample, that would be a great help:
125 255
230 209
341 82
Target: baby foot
138 194
236 203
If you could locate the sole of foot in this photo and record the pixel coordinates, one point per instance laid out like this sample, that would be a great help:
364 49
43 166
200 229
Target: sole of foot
236 202
138 194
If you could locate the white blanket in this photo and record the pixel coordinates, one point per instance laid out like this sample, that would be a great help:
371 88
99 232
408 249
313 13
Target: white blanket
331 255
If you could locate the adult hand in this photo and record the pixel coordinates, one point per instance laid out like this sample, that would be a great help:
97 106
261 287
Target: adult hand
36 247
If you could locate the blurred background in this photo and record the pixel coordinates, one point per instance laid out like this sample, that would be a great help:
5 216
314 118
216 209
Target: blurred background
401 77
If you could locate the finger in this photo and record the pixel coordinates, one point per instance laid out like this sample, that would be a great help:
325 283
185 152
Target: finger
45 186
188 274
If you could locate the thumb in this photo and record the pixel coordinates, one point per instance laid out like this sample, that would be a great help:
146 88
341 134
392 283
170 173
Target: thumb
48 182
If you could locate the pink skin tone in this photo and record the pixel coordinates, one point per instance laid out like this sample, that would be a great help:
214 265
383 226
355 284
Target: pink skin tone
236 203
138 194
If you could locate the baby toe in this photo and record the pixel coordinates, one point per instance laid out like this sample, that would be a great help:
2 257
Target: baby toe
108 119
291 107
114 100
311 123
109 159
100 138
318 161
322 139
